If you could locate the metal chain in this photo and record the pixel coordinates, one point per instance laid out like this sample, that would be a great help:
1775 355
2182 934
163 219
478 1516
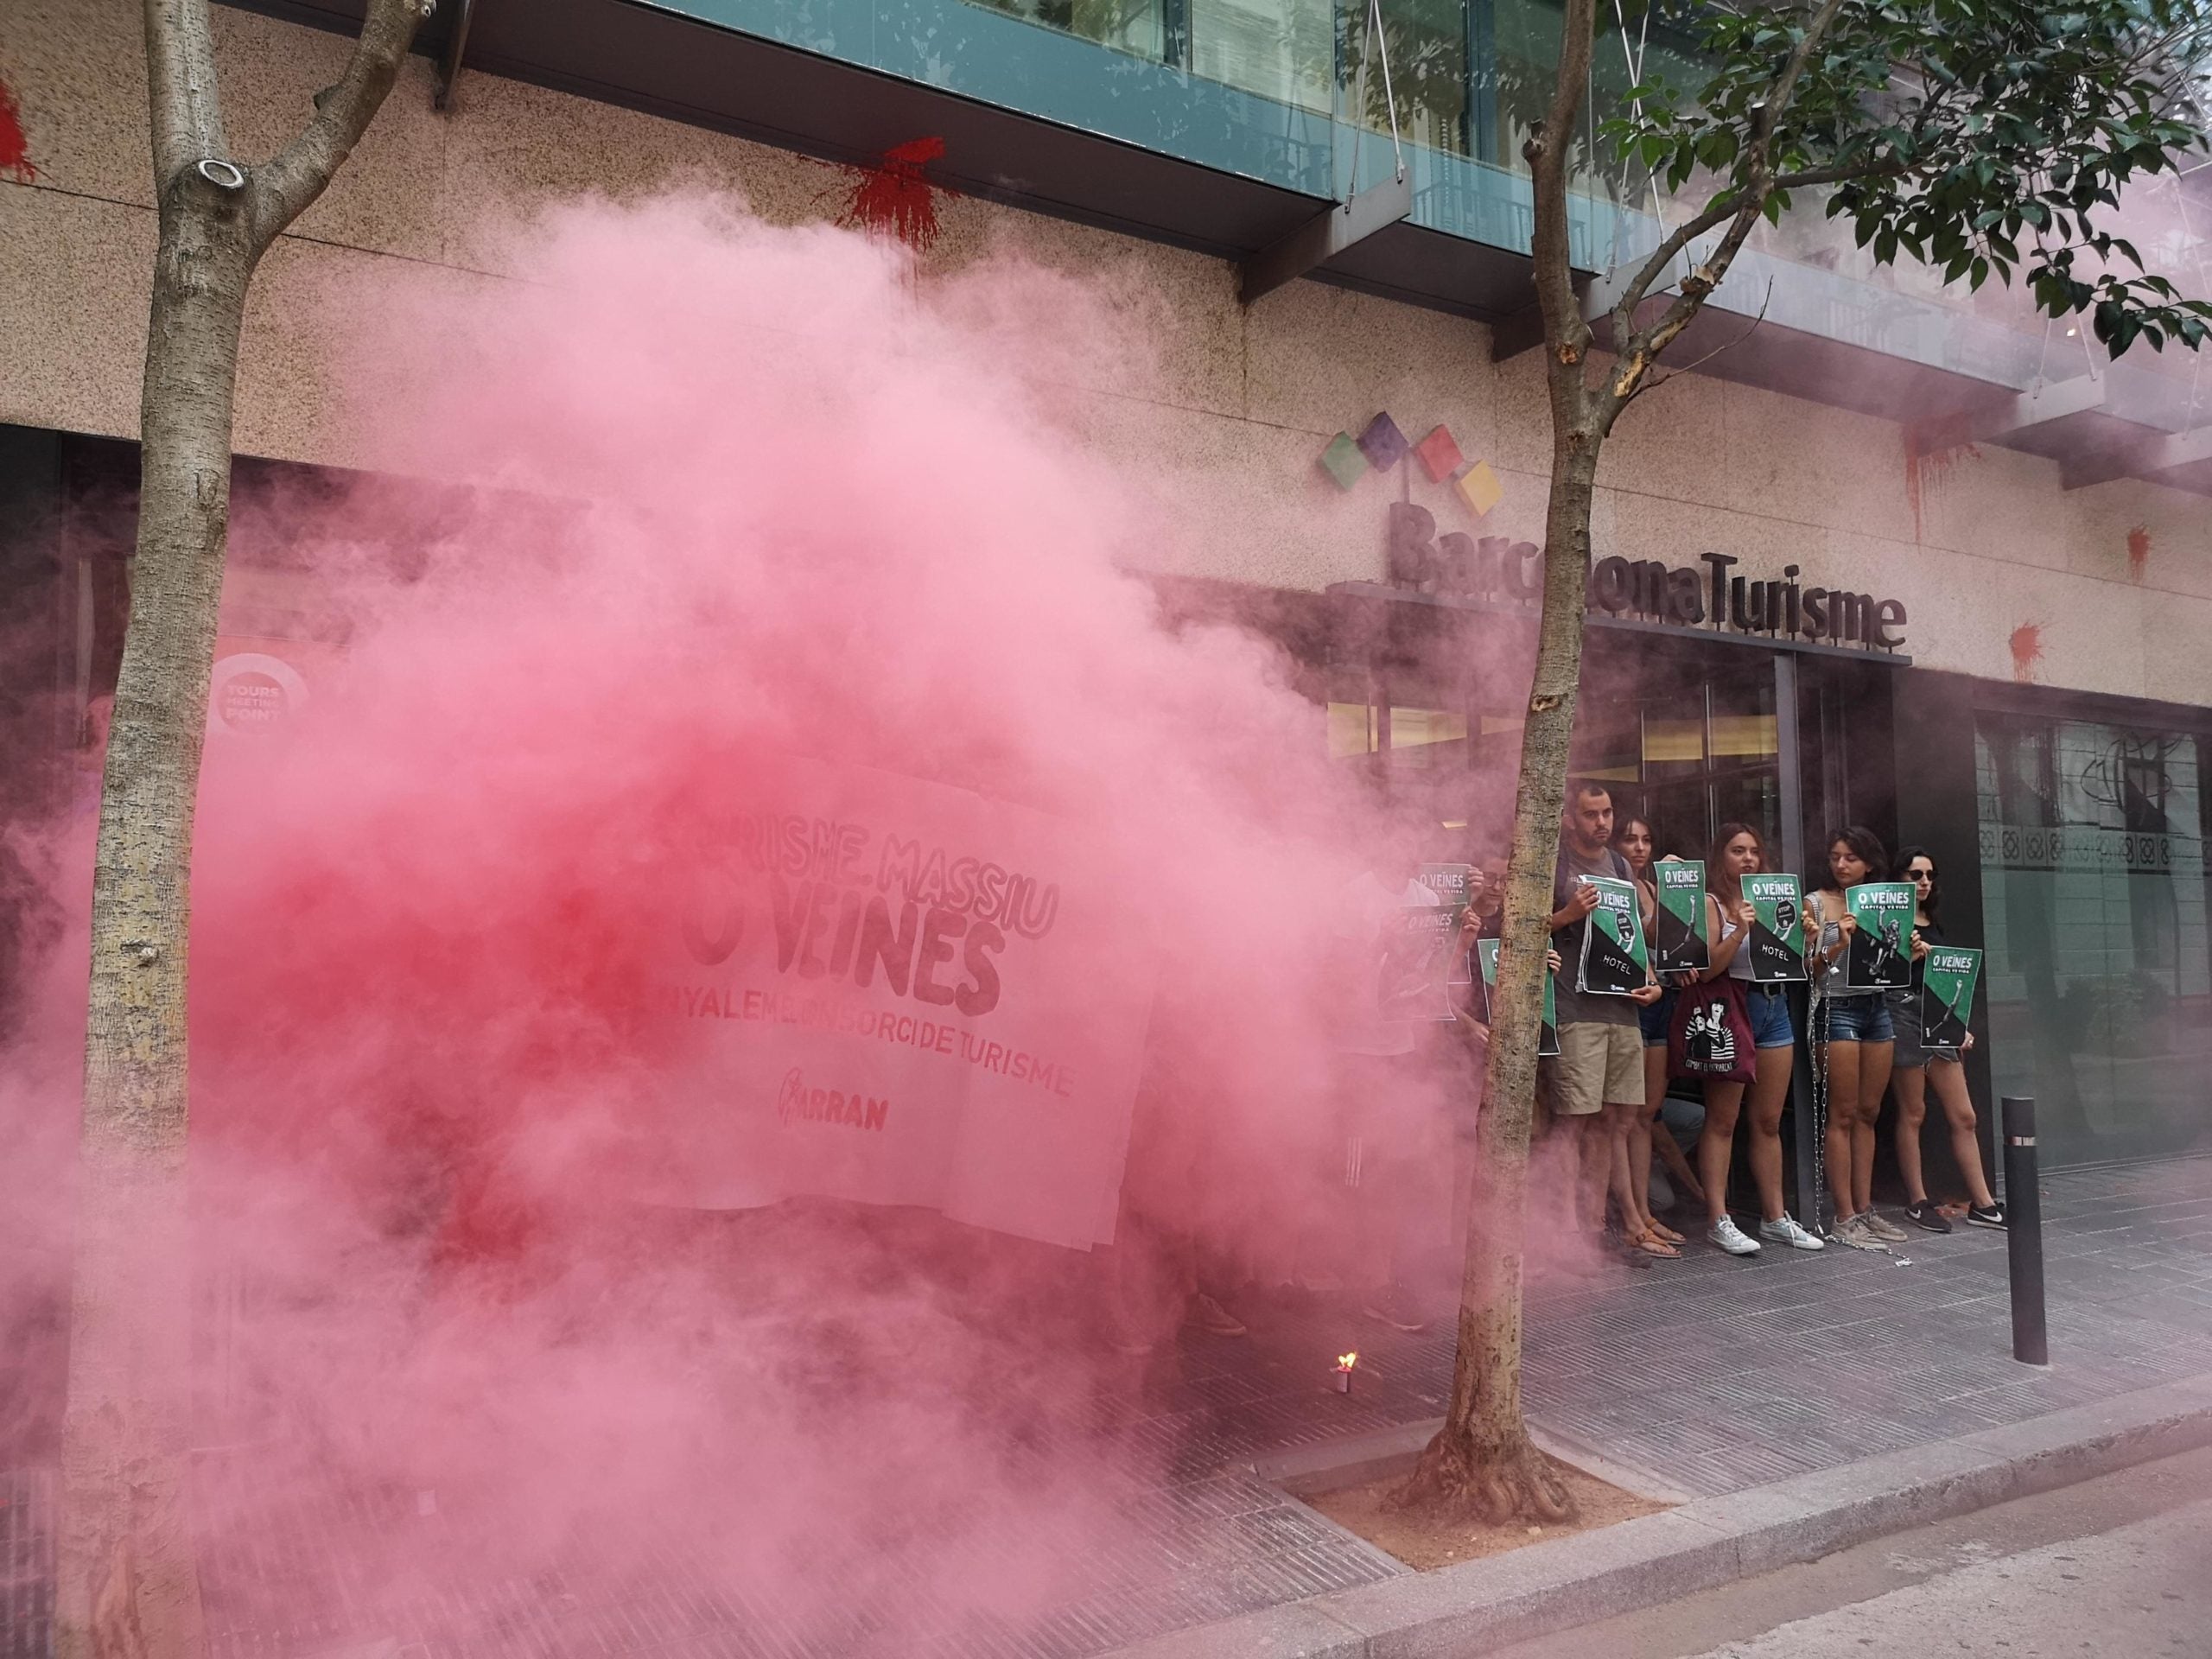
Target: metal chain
1816 1022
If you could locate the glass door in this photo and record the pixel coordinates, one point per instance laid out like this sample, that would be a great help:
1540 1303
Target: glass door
1685 734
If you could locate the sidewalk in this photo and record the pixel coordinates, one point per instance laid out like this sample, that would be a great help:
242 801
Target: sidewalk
1706 1377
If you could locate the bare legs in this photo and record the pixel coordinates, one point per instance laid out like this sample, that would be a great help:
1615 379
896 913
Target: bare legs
1769 1088
1716 1142
1859 1074
1645 1137
1950 1080
1631 1152
1723 1104
1597 1136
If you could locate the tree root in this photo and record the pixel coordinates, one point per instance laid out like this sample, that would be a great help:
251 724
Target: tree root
1456 1484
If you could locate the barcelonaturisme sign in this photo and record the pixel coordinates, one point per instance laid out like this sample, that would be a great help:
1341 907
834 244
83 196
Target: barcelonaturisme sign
1683 595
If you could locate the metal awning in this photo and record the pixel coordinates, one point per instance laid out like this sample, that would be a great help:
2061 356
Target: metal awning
1818 336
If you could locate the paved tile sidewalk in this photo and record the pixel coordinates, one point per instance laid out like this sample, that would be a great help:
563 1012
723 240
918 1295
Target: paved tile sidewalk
1708 1375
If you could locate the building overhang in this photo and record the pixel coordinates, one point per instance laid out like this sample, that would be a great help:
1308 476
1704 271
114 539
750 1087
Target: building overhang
1053 124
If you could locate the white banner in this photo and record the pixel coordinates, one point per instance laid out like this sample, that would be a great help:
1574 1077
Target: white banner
904 994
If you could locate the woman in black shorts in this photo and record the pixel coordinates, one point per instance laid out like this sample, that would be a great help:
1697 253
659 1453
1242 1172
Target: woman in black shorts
1634 842
1917 1070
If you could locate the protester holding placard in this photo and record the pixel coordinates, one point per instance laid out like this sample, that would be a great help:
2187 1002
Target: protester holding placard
1921 1065
1636 845
1729 1007
1854 1043
1596 1085
1388 976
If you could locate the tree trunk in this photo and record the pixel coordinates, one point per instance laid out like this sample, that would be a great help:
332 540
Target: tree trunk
127 1584
1481 1464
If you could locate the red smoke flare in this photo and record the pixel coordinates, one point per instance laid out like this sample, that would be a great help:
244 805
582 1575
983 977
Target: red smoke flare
2027 651
15 151
893 197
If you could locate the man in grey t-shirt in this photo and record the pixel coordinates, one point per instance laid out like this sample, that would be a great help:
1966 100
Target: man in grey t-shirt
1596 1082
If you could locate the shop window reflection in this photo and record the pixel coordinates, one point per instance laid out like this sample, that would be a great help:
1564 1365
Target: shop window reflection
2099 980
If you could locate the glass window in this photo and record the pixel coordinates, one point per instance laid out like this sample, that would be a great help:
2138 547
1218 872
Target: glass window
1282 49
2100 994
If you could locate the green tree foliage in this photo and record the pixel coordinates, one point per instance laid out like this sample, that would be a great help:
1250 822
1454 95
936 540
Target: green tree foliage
1982 137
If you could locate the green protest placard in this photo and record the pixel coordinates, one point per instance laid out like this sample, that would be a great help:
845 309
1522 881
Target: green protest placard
1418 948
1614 961
1777 941
1678 941
1547 1040
1448 882
1879 954
1947 973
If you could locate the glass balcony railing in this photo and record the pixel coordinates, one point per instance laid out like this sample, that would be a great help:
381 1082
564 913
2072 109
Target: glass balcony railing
1265 89
1273 89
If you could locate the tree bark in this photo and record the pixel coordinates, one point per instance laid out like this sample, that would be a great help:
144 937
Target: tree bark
1481 1464
127 1584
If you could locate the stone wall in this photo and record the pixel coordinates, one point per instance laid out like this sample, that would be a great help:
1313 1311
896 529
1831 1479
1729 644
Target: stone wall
1230 416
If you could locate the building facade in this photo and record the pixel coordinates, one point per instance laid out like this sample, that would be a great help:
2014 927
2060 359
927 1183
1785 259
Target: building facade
1899 555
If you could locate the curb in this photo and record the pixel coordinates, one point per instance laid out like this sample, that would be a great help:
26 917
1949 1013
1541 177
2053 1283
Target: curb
1535 1591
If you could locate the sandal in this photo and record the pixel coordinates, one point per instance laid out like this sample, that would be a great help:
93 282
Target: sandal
1652 1244
1666 1234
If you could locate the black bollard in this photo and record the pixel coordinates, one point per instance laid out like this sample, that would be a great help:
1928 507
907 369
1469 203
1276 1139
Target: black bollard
2023 1232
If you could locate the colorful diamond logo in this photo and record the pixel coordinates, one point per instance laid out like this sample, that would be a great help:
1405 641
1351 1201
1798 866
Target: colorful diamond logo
1440 454
1479 488
1383 443
1344 461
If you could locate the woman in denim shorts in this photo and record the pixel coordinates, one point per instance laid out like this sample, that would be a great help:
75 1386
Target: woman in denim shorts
1739 852
1854 1043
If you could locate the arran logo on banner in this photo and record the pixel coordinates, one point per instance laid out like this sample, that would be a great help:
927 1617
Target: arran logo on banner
796 1104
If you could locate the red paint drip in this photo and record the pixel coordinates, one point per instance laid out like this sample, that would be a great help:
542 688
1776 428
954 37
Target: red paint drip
15 149
1930 455
2138 550
2027 651
894 197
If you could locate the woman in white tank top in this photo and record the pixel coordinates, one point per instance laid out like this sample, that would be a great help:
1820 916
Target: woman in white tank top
1737 852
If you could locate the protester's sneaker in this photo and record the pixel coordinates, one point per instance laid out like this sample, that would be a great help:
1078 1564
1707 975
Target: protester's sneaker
1786 1232
1855 1234
1925 1214
1208 1315
1730 1237
1884 1228
1391 1306
1979 1215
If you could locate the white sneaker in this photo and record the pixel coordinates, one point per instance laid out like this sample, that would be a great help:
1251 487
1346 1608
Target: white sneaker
1855 1234
1885 1230
1730 1237
1786 1232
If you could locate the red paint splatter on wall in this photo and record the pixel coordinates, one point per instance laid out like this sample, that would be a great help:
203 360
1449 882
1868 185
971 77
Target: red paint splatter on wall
1931 455
893 196
2027 651
2138 550
15 149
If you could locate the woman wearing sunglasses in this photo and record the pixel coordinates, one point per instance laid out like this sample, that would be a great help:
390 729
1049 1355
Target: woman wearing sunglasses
1917 1071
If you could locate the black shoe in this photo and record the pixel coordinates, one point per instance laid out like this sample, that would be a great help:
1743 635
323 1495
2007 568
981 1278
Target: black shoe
1925 1214
1981 1216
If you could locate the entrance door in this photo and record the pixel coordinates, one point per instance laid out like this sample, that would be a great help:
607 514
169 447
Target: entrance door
1687 735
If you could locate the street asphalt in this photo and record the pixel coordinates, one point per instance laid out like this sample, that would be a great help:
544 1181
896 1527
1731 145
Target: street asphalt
2121 1564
